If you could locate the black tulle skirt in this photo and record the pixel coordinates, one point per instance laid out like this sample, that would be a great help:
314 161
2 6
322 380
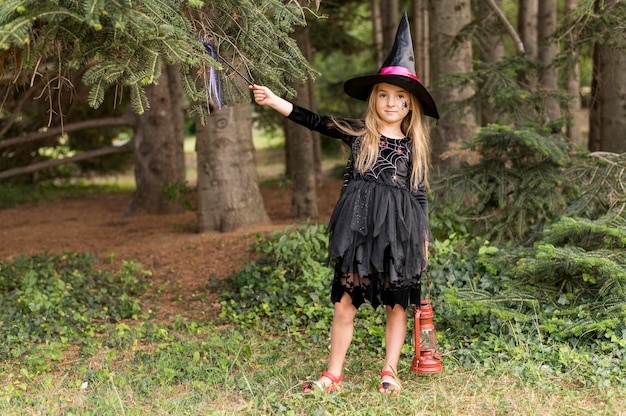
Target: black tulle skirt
378 237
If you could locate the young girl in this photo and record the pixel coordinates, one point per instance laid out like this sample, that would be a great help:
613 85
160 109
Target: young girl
379 229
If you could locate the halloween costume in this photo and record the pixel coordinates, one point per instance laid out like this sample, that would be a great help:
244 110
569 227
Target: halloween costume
379 227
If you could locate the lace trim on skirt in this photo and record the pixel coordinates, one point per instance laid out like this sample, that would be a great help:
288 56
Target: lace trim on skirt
378 244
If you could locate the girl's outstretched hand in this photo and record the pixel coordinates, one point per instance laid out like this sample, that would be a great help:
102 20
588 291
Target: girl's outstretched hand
265 96
262 95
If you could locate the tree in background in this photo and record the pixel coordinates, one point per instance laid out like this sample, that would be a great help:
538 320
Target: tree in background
458 123
419 24
490 47
228 190
302 146
572 81
260 45
158 145
123 46
607 130
548 49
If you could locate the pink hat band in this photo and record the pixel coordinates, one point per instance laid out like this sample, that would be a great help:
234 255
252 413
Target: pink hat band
398 70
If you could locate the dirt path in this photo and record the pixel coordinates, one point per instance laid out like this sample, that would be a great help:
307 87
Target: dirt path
181 260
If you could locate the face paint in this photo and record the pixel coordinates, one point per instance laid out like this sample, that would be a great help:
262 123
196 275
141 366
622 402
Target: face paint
405 105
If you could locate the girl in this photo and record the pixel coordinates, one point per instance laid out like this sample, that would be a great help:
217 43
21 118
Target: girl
379 229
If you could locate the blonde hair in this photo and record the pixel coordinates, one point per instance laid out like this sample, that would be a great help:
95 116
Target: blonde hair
413 126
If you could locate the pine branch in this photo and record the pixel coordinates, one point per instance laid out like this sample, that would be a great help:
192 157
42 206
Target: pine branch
123 43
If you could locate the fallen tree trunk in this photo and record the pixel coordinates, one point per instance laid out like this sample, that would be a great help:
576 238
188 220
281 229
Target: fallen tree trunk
126 148
125 120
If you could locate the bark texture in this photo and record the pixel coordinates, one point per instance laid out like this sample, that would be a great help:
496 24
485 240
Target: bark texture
491 48
158 151
547 52
447 18
303 151
607 125
527 27
228 192
575 125
419 25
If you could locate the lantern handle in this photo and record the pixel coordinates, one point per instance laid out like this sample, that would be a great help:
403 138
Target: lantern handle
416 313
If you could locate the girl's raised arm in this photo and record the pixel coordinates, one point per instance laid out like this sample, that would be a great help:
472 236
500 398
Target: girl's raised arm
265 96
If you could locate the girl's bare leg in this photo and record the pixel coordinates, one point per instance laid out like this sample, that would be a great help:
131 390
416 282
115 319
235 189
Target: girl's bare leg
395 334
340 336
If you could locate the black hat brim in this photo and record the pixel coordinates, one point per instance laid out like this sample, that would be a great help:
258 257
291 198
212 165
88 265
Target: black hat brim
360 88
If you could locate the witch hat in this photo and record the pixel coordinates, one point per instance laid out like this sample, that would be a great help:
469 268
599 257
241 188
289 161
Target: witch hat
399 70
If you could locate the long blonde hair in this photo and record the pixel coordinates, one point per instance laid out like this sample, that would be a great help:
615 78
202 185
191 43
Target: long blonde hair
413 126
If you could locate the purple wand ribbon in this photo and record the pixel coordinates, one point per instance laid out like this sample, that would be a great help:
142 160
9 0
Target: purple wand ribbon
215 85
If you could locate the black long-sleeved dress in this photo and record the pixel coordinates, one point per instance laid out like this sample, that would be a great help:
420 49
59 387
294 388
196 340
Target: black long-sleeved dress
379 227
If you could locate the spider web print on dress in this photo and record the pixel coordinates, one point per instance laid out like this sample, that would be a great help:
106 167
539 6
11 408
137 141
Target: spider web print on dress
392 153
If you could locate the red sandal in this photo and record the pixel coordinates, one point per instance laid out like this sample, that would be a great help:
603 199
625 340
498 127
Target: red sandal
335 384
390 388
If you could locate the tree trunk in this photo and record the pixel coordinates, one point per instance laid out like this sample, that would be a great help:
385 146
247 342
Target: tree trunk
607 125
304 43
548 50
490 43
527 27
300 144
302 165
377 30
385 19
228 192
177 117
447 18
575 125
491 48
420 39
390 19
158 151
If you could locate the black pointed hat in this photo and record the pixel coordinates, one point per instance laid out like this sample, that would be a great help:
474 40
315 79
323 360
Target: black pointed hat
399 70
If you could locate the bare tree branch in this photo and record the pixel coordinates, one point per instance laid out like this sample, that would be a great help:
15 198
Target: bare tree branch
519 45
56 162
125 120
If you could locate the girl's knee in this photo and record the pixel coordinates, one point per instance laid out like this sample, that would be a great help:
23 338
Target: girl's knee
344 309
397 310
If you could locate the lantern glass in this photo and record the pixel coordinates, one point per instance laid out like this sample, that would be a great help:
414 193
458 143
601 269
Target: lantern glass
428 336
428 340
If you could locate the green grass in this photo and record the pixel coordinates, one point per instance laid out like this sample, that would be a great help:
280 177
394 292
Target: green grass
192 368
75 341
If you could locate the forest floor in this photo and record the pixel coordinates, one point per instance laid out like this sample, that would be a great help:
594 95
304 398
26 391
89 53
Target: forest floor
183 262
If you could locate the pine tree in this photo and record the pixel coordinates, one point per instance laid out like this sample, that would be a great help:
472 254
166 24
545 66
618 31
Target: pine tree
121 44
572 281
517 186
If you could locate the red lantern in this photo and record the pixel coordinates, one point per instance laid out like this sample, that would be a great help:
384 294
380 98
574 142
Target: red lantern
426 360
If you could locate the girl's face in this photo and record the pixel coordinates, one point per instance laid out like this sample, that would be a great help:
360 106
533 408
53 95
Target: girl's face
392 103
